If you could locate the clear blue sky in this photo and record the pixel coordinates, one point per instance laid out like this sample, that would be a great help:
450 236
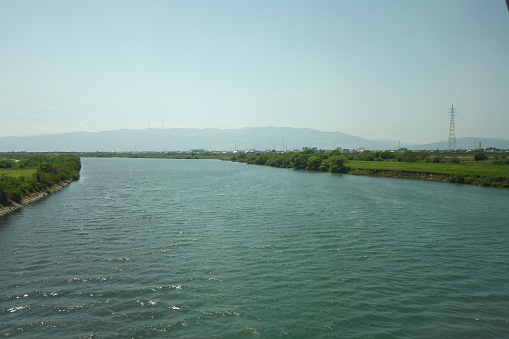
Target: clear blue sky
376 69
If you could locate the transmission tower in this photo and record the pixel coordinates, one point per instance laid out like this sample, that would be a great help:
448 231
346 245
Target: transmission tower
452 130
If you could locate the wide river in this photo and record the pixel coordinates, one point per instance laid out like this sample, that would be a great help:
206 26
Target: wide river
143 248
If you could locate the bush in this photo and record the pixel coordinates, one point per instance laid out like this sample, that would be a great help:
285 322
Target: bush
501 162
6 163
409 156
469 180
457 178
454 161
367 157
479 156
485 182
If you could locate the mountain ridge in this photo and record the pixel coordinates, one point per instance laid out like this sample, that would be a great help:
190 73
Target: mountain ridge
184 139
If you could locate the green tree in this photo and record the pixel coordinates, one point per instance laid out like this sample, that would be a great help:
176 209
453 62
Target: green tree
387 155
6 163
276 160
324 166
314 163
261 159
367 157
409 156
337 164
479 156
300 161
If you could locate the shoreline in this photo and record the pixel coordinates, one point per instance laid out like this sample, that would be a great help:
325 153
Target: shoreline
430 176
4 210
400 174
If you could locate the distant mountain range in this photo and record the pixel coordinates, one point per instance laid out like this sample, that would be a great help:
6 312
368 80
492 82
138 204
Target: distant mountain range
465 144
184 139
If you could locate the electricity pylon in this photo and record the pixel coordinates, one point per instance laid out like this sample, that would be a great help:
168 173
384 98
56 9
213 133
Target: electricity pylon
452 130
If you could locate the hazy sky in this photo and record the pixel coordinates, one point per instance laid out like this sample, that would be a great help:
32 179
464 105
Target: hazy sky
371 68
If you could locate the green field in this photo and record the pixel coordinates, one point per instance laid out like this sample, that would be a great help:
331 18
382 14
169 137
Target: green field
482 170
18 172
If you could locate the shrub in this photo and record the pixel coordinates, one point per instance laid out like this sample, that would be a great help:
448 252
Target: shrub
6 163
469 180
501 162
409 157
367 157
485 182
457 178
479 156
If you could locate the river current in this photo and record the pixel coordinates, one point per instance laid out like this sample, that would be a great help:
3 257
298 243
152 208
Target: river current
147 248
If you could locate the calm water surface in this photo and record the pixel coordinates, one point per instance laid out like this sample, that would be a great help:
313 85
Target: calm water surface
147 248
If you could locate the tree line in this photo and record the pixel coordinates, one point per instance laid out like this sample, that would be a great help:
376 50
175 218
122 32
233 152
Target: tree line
333 162
50 170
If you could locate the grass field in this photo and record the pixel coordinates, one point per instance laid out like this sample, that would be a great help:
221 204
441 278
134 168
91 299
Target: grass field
17 172
482 170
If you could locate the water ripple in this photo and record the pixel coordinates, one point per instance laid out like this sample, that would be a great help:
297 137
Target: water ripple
152 248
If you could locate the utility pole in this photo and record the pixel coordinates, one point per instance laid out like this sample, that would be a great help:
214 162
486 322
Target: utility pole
452 130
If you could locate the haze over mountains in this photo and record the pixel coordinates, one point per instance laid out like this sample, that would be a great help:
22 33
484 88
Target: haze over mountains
184 139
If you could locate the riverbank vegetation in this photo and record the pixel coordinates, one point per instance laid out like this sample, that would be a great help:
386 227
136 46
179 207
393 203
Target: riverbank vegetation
477 169
333 162
22 174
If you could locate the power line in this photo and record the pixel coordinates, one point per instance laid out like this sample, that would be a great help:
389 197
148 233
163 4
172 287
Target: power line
123 114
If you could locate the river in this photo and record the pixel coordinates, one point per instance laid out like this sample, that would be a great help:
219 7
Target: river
148 248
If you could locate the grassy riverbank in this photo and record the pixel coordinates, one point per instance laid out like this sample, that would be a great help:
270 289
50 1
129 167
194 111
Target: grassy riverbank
22 175
18 172
474 169
465 170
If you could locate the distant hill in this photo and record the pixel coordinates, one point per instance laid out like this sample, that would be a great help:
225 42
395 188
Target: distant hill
465 144
183 139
